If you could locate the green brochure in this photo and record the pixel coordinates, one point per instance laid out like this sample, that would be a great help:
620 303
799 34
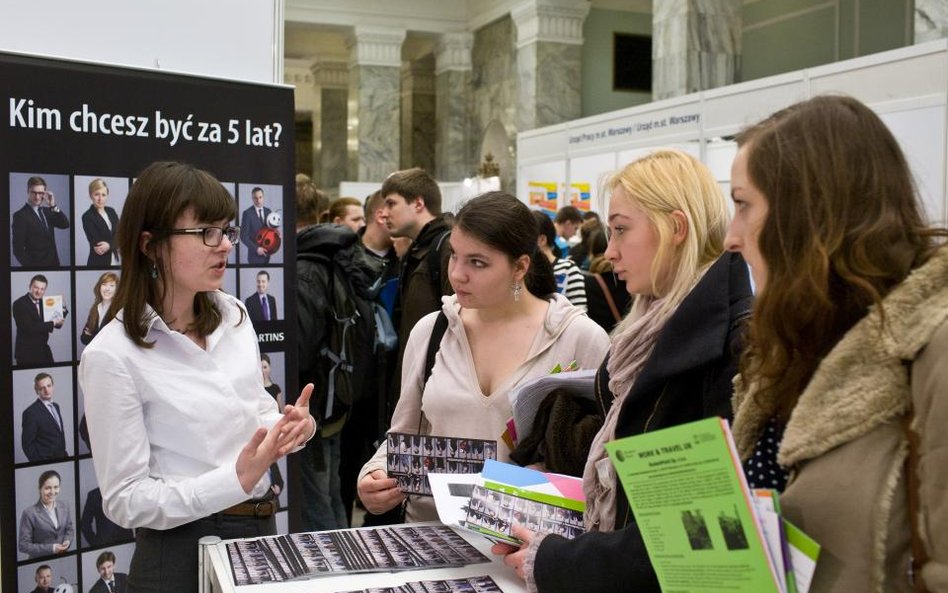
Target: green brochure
694 509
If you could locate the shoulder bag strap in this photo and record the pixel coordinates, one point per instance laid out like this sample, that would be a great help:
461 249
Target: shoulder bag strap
434 344
608 294
919 556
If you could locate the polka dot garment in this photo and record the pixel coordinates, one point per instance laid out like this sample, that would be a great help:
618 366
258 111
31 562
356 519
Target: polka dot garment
762 469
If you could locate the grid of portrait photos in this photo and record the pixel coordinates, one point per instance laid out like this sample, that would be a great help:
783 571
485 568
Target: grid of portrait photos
481 584
411 457
307 555
494 513
65 271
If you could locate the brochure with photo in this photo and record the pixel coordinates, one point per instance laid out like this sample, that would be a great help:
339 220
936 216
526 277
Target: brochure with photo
411 457
702 525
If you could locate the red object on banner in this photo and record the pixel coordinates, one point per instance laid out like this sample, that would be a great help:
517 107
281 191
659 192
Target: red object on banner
269 239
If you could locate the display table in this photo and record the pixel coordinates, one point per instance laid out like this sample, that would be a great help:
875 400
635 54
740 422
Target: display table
217 576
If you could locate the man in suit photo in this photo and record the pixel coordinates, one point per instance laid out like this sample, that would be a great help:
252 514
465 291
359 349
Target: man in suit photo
34 227
252 220
31 346
44 579
260 305
109 580
44 435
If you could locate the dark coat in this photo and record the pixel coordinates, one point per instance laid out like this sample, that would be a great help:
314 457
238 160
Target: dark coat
416 294
98 529
34 245
686 378
597 308
31 346
255 311
42 437
250 224
121 584
96 230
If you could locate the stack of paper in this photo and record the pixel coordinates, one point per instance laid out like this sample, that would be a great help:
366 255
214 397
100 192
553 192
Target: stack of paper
504 495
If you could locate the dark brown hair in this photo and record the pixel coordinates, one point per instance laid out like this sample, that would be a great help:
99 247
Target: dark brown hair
161 194
414 183
844 227
311 204
503 222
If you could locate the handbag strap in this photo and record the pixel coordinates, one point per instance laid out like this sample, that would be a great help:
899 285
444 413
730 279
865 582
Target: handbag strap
434 344
919 556
608 294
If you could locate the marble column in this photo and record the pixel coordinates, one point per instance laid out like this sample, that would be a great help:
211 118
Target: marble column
931 20
418 114
454 142
696 45
374 125
549 46
329 128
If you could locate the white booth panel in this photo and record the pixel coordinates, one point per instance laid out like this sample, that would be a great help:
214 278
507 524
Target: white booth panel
908 72
729 109
589 173
552 141
921 133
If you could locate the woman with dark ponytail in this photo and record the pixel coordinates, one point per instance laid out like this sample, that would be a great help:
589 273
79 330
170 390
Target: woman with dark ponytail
506 326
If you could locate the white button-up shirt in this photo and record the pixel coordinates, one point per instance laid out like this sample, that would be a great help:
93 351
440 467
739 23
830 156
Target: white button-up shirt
167 423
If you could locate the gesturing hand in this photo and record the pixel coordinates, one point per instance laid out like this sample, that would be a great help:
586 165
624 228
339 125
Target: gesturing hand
299 425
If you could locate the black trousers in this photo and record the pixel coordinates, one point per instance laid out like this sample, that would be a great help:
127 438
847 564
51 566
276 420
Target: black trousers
166 560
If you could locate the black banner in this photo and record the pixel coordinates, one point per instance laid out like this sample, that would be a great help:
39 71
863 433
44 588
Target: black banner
72 134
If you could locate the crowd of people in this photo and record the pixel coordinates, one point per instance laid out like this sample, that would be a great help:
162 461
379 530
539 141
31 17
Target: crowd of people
815 317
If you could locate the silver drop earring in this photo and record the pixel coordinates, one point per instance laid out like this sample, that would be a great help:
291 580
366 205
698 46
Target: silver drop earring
154 271
516 288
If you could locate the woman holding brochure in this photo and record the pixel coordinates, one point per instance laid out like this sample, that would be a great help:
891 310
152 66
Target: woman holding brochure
505 326
847 344
671 360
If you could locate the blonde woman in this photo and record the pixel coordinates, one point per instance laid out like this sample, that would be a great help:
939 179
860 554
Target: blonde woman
99 223
671 360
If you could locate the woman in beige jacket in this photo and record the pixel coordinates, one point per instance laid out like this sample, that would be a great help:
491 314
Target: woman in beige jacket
847 345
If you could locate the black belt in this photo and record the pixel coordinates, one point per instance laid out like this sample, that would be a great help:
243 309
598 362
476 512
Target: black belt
259 507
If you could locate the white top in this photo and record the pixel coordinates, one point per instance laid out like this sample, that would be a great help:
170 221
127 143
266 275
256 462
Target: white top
167 423
570 282
453 403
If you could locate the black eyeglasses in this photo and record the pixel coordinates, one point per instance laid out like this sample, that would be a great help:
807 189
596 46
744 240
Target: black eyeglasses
211 235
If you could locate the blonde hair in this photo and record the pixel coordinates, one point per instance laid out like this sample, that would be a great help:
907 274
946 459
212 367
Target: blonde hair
659 184
98 183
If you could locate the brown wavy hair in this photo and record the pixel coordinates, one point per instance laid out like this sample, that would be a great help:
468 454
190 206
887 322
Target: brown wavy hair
161 194
844 227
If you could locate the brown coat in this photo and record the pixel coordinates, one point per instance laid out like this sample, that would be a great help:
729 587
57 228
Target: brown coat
846 447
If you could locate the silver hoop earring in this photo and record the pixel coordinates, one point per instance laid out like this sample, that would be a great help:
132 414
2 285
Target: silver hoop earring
516 288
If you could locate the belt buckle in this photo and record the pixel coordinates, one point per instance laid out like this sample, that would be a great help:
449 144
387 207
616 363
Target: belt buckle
257 509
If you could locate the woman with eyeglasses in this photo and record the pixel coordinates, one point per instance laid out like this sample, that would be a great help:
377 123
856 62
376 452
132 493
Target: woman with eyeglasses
182 427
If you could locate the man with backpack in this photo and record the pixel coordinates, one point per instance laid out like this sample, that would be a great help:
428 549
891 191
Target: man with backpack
336 331
413 210
370 416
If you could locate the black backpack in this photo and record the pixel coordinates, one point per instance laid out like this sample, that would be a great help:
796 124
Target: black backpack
342 336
